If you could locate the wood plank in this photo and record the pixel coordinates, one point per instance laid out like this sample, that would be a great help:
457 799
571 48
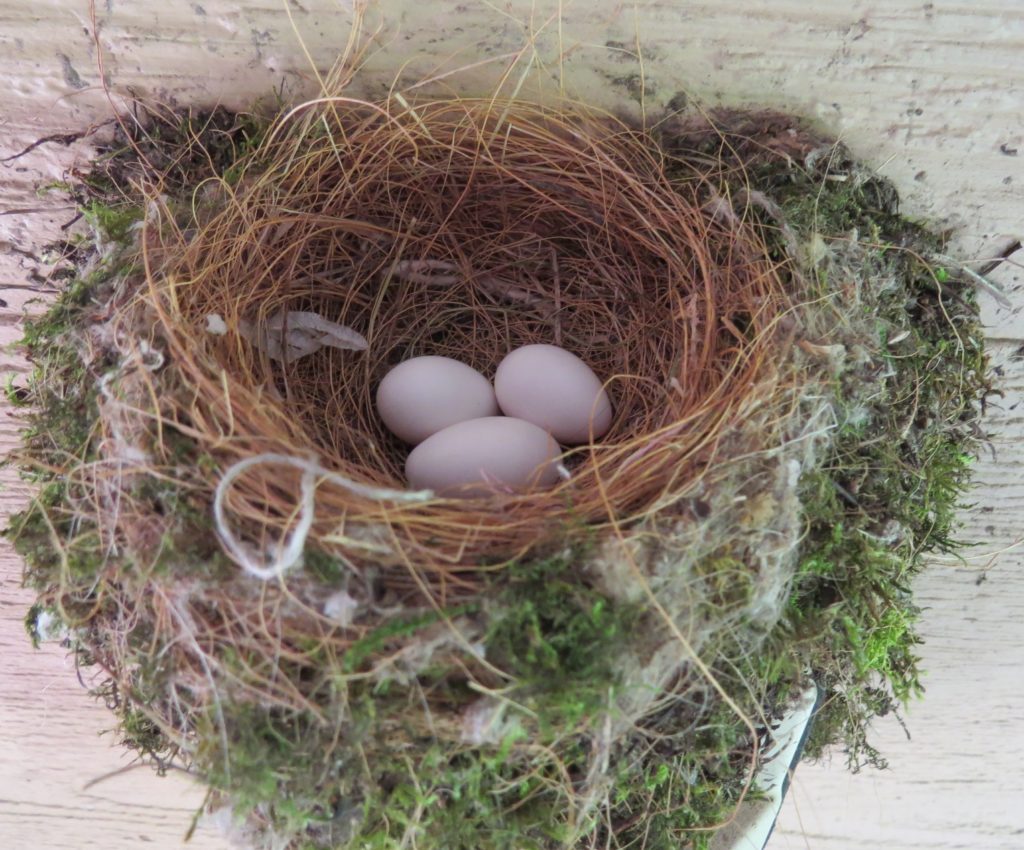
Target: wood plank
931 92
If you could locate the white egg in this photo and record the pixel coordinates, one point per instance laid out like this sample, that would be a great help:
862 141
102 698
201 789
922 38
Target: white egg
555 390
495 454
426 394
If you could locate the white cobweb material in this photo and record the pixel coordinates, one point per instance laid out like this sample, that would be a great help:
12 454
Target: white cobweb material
216 325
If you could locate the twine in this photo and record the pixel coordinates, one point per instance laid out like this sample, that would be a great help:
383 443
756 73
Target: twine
290 553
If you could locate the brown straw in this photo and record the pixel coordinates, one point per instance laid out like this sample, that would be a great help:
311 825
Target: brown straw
465 229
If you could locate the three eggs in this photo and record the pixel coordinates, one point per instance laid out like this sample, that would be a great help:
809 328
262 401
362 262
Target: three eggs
464 446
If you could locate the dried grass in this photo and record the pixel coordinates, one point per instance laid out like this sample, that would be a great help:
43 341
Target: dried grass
461 229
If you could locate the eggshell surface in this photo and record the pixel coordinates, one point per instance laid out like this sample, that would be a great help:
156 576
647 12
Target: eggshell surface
494 454
424 395
555 390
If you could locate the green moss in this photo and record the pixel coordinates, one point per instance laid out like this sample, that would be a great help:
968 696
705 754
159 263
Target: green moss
889 491
478 798
399 627
728 583
356 788
139 733
60 396
31 623
188 545
184 149
114 222
60 419
559 638
384 777
274 760
323 566
59 552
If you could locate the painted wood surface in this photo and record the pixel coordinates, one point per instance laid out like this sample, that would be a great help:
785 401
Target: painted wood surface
930 92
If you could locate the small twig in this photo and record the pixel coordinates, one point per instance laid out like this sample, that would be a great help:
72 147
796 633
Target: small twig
9 286
991 287
162 764
61 138
14 249
32 210
846 495
1000 258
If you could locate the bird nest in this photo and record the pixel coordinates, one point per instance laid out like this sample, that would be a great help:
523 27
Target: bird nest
225 528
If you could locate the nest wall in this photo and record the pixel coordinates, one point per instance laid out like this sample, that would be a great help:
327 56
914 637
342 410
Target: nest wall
569 643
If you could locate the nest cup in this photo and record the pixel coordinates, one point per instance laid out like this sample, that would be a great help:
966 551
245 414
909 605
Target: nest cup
464 229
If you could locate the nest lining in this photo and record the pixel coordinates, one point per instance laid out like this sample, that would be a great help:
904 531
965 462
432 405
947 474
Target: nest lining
451 232
463 230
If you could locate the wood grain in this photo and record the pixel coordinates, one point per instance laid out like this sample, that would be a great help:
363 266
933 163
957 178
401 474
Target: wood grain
931 92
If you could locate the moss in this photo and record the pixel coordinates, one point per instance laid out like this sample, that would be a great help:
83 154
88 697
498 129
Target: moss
670 803
387 778
188 544
475 799
323 566
113 221
60 398
398 627
60 417
184 149
728 583
273 761
58 551
558 638
137 732
889 491
31 623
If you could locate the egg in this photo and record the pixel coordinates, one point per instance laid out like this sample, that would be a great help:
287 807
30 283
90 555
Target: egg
555 390
426 394
493 454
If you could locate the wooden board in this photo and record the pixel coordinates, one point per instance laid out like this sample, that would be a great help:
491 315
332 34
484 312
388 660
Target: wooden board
931 92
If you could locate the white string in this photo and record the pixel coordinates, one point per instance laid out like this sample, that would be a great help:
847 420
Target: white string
289 552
